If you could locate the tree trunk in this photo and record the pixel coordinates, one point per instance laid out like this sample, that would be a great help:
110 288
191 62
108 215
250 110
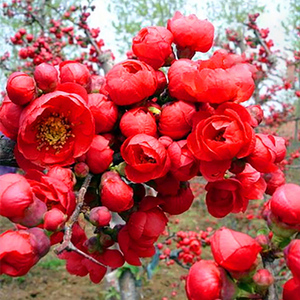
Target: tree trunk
128 288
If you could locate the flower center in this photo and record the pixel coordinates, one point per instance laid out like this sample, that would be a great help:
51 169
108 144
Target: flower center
219 137
53 131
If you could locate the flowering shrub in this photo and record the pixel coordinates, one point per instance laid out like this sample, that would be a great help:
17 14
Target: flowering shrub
156 134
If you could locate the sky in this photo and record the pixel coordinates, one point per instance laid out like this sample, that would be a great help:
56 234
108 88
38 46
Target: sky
271 18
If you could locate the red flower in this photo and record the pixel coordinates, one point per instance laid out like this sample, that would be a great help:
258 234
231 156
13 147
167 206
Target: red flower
15 196
153 45
100 216
274 180
46 77
199 81
72 71
99 156
146 158
55 129
291 289
176 119
285 204
292 257
190 32
234 251
115 194
225 196
53 191
105 112
224 135
268 151
21 88
184 166
138 120
130 82
179 203
9 118
204 281
21 250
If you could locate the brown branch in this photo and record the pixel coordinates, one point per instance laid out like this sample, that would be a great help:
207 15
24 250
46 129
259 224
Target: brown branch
67 245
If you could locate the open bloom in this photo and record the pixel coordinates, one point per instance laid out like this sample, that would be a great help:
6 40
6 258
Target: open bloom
55 129
146 158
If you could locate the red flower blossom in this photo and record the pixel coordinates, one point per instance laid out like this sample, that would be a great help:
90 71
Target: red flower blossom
21 250
190 32
115 194
46 77
138 120
153 45
105 112
291 289
225 196
130 82
21 88
146 158
72 71
184 166
9 118
55 129
292 257
234 251
204 281
285 204
224 135
99 156
176 119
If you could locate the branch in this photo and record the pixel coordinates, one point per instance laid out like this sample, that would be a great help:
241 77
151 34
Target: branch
268 264
67 245
7 157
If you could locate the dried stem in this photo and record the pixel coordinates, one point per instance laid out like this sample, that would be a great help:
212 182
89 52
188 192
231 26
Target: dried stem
7 157
67 245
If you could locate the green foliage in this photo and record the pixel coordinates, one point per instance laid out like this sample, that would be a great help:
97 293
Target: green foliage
231 13
133 15
112 293
53 263
293 21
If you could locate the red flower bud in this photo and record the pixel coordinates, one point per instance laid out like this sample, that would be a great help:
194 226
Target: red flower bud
153 45
99 156
138 78
234 251
46 77
116 195
190 32
9 118
20 250
257 114
263 278
204 281
274 180
81 169
54 219
176 119
105 112
72 71
292 257
285 204
138 120
100 216
291 289
21 88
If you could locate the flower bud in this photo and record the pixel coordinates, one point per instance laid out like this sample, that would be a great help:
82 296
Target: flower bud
263 278
54 219
99 156
46 77
292 257
256 113
21 88
234 251
81 170
116 195
100 216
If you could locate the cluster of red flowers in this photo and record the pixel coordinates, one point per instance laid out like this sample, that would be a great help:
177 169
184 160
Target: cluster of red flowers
137 131
47 45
